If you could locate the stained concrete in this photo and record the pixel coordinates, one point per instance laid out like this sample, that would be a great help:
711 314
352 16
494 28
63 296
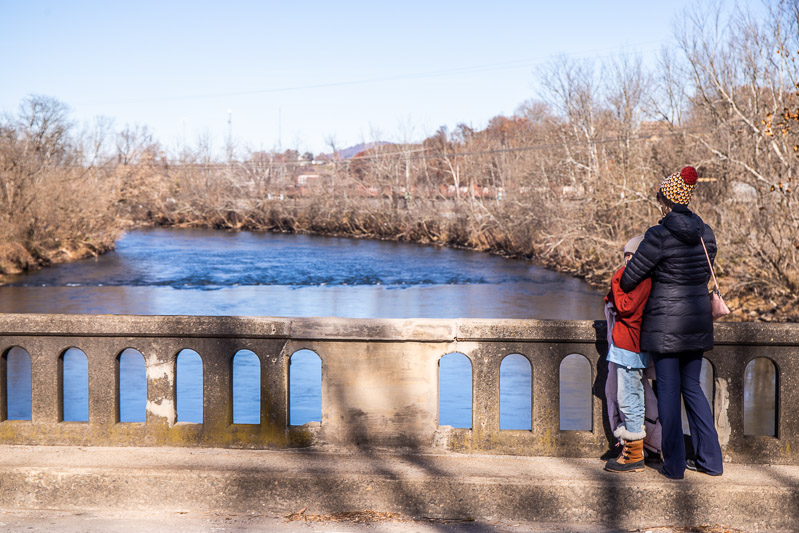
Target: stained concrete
215 522
379 382
49 521
445 487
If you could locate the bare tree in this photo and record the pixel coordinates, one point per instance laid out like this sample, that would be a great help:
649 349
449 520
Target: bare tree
744 77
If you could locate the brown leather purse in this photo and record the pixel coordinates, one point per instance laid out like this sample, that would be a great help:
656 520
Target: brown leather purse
717 306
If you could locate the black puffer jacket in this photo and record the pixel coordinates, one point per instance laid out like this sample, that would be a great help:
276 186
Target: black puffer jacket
677 315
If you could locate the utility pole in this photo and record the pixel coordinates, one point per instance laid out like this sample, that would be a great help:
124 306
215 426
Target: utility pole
229 135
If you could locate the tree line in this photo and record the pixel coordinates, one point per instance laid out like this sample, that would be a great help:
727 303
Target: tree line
564 181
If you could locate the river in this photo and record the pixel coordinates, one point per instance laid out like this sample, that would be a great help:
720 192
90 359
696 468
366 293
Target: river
207 272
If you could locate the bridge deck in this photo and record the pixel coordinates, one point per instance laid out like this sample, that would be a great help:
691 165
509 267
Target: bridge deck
436 485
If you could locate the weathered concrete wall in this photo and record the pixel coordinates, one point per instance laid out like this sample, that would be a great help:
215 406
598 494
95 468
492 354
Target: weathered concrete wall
379 382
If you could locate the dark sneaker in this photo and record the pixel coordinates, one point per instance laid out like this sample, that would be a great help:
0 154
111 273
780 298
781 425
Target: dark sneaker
690 464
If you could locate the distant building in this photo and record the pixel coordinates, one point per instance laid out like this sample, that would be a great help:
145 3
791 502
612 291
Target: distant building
305 180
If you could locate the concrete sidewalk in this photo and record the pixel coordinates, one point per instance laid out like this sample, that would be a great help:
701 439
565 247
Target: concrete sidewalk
49 521
439 491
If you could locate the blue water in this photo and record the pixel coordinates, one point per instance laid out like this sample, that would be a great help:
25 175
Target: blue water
515 393
190 259
305 380
18 383
455 391
206 272
132 384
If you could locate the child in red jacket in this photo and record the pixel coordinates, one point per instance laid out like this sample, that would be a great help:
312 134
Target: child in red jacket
629 363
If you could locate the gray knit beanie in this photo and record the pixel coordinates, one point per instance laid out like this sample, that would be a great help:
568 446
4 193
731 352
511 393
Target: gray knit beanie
632 244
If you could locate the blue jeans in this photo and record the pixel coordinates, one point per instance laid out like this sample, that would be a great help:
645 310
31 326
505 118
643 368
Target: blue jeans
679 373
629 391
630 395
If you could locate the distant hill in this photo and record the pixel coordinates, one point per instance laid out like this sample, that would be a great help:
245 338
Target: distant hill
348 153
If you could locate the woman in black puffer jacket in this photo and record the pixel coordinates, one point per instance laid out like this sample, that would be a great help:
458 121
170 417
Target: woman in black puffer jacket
677 327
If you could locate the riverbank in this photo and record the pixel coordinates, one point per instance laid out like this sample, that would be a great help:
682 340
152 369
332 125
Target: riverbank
15 259
21 257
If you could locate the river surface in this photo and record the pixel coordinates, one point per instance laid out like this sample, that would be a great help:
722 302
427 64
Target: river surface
207 272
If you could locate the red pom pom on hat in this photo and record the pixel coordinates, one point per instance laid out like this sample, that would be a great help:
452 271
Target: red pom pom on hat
689 175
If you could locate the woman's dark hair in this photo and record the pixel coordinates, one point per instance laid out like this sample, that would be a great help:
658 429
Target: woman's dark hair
662 197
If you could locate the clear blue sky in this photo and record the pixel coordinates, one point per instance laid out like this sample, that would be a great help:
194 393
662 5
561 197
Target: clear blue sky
296 73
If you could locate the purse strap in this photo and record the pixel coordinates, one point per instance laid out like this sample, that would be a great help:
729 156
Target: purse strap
716 283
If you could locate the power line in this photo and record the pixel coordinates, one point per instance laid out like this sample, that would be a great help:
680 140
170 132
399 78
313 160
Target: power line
471 69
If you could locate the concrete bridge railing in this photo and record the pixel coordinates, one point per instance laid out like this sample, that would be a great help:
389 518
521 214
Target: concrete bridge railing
379 382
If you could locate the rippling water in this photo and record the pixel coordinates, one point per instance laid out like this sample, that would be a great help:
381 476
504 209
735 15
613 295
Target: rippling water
205 272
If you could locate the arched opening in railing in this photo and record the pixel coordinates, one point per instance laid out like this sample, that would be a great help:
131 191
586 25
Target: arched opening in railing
515 393
707 383
189 387
575 393
75 381
455 391
246 386
305 387
17 364
132 386
760 397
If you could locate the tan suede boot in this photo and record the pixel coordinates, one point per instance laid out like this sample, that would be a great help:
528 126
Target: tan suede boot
630 460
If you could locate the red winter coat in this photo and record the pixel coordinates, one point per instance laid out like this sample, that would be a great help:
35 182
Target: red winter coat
629 311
